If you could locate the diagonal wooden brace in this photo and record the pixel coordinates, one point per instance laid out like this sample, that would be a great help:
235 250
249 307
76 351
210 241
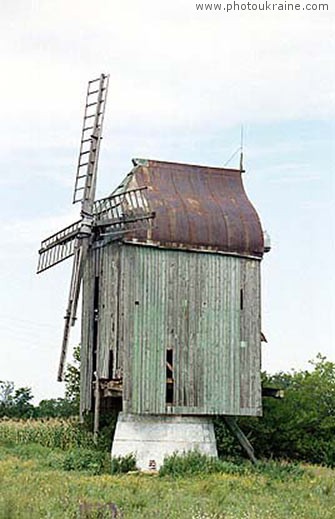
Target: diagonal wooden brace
239 434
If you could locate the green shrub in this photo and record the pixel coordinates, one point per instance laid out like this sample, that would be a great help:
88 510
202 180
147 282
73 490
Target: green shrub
89 460
193 462
280 470
123 464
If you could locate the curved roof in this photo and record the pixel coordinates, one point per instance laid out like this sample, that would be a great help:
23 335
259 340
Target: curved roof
197 207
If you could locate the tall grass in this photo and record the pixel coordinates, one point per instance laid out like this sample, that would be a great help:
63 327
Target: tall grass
32 487
54 433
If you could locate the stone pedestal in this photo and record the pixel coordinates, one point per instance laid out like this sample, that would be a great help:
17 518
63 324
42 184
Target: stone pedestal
151 438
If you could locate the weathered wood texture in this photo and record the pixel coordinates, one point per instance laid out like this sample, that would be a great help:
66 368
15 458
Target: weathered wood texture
189 302
86 351
108 311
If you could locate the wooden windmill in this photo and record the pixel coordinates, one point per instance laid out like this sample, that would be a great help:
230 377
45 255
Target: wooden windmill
171 317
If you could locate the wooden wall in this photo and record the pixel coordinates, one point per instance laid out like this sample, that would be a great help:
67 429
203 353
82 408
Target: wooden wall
204 307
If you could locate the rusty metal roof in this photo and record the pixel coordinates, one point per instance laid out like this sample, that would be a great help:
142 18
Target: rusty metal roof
197 207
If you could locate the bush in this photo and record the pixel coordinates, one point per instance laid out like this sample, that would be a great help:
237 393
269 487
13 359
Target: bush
280 470
92 461
123 464
194 462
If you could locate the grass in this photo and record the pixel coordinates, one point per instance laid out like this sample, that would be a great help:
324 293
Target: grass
35 484
50 468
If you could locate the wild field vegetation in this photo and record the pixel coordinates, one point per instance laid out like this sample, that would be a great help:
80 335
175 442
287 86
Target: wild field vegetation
53 433
50 467
37 482
300 427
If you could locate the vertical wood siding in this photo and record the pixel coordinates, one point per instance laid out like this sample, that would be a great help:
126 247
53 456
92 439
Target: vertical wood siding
250 354
190 302
108 310
151 300
86 350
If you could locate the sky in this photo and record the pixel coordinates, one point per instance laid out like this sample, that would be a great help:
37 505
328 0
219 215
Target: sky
182 82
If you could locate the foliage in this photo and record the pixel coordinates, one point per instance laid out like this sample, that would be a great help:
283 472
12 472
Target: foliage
89 460
53 433
279 470
123 464
107 428
15 403
72 379
56 408
68 406
301 426
32 486
194 462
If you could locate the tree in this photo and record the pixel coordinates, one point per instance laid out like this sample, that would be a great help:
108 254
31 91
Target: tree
301 426
72 378
15 403
6 392
55 408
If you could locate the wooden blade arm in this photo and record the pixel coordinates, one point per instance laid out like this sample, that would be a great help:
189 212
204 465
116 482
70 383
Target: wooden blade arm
70 315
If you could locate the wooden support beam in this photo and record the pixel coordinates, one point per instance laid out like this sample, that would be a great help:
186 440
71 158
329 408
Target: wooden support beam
272 392
234 428
96 409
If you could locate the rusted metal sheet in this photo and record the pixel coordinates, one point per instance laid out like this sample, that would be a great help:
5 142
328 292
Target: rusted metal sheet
190 303
197 208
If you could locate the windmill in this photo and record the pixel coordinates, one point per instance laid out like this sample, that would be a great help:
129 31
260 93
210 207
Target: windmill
109 217
169 266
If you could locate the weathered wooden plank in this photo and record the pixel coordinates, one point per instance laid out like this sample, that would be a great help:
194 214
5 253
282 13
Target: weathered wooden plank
86 352
235 429
189 302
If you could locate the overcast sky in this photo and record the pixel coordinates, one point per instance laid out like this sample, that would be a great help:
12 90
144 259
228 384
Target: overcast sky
181 84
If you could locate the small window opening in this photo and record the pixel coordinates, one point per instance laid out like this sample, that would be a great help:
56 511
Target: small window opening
169 376
111 364
241 299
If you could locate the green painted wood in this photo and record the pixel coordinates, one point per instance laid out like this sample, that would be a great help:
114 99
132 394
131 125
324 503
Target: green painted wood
190 302
153 299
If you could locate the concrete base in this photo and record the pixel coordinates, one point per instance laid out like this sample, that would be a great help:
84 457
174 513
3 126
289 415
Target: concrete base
151 438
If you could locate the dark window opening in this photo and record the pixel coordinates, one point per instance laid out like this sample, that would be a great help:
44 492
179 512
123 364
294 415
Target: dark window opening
110 364
169 376
241 299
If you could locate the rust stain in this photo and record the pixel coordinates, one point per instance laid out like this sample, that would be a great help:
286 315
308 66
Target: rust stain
198 207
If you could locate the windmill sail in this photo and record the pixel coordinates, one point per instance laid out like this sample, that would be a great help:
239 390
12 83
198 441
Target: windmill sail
58 247
120 210
117 212
84 192
96 97
108 218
